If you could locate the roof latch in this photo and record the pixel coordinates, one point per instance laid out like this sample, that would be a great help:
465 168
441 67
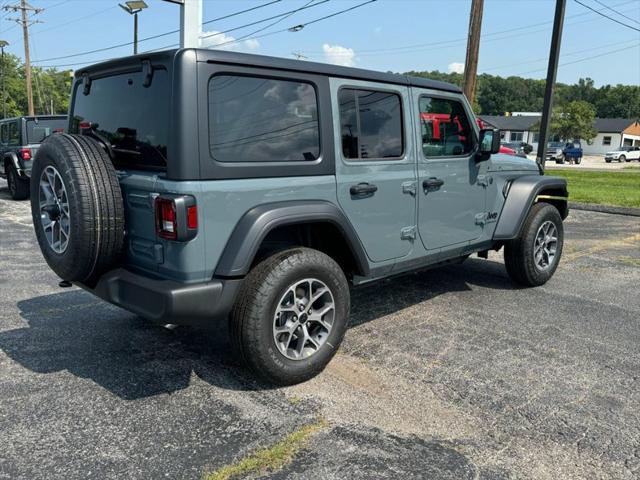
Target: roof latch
147 73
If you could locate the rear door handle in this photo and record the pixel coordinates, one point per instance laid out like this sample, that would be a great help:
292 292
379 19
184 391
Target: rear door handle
432 182
362 189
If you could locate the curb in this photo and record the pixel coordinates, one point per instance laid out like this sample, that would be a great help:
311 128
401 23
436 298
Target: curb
592 207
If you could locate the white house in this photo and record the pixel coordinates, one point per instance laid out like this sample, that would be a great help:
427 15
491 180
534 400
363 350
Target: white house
612 132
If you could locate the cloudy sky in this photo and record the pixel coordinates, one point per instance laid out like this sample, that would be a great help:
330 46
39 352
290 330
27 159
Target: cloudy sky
396 35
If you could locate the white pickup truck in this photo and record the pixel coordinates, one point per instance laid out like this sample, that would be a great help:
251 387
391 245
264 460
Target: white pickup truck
623 154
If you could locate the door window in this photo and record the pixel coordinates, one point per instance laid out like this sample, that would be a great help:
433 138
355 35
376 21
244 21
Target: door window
445 127
371 126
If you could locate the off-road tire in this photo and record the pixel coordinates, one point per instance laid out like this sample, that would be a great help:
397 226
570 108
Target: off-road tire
251 320
18 187
95 205
518 253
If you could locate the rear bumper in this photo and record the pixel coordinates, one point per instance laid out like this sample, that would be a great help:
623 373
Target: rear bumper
166 301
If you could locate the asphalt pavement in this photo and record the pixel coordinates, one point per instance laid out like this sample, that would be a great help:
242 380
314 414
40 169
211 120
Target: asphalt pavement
448 374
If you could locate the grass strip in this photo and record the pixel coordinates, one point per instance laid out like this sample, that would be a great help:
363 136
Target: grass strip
272 458
617 188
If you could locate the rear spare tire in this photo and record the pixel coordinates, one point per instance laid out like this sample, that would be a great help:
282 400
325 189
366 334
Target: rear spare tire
77 208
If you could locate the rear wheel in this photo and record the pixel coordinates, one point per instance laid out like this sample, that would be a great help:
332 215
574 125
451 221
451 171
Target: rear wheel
291 315
18 187
77 208
532 259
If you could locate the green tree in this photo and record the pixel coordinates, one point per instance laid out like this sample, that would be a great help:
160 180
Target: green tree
574 120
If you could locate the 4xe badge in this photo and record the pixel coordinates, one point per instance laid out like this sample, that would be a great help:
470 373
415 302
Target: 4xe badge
492 216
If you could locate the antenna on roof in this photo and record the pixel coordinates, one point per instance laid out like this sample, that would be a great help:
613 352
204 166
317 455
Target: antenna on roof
299 56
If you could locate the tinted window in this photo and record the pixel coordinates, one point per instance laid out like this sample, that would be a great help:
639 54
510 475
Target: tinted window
254 119
13 136
134 119
39 129
445 128
370 124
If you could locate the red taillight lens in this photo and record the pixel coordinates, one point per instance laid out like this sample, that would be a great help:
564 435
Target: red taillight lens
166 221
25 153
192 217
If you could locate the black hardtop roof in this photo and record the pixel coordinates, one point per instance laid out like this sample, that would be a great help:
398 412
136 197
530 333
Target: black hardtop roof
263 61
35 117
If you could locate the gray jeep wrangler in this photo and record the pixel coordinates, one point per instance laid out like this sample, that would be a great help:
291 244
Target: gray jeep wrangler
204 186
20 138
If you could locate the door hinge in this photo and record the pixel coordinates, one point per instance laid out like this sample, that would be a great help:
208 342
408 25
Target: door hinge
408 233
410 188
481 218
484 180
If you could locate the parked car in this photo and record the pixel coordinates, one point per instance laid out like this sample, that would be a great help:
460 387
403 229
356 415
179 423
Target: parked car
520 147
19 141
623 154
204 186
564 151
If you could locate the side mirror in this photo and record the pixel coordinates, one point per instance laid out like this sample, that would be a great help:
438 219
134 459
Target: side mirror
489 141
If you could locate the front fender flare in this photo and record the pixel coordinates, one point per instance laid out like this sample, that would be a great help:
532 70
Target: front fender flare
255 224
522 195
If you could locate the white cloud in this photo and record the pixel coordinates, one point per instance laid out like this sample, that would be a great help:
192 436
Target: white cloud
339 55
456 67
214 39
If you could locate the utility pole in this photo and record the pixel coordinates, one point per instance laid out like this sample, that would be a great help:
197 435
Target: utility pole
25 11
554 57
3 43
473 48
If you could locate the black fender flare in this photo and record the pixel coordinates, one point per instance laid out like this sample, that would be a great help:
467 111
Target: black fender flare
13 158
523 193
255 224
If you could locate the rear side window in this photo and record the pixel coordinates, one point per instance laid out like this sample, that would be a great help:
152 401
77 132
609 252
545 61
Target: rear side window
370 124
133 118
445 128
256 119
9 134
39 129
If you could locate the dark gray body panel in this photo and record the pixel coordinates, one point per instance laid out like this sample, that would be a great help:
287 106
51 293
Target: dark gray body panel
254 226
522 195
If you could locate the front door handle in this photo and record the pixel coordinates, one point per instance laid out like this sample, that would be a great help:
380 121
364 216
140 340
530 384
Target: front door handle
362 189
432 183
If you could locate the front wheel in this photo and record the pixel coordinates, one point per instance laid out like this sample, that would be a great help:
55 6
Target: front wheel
622 159
532 258
291 315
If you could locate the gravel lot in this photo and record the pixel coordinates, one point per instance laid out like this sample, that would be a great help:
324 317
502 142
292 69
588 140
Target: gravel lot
448 374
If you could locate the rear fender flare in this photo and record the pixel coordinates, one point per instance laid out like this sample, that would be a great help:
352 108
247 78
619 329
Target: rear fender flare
523 193
12 158
255 224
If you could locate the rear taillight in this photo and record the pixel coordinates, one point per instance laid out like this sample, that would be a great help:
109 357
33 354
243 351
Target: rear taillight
25 153
166 224
176 217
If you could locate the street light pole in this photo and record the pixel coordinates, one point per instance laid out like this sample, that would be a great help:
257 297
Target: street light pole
133 8
3 43
135 33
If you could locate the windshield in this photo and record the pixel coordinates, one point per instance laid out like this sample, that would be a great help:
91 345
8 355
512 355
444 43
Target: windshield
132 118
556 145
40 128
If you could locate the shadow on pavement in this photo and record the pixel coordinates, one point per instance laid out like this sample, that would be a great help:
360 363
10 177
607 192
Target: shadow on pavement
76 332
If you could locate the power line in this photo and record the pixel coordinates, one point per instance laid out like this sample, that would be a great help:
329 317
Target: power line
99 12
289 13
153 37
616 11
584 59
607 16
